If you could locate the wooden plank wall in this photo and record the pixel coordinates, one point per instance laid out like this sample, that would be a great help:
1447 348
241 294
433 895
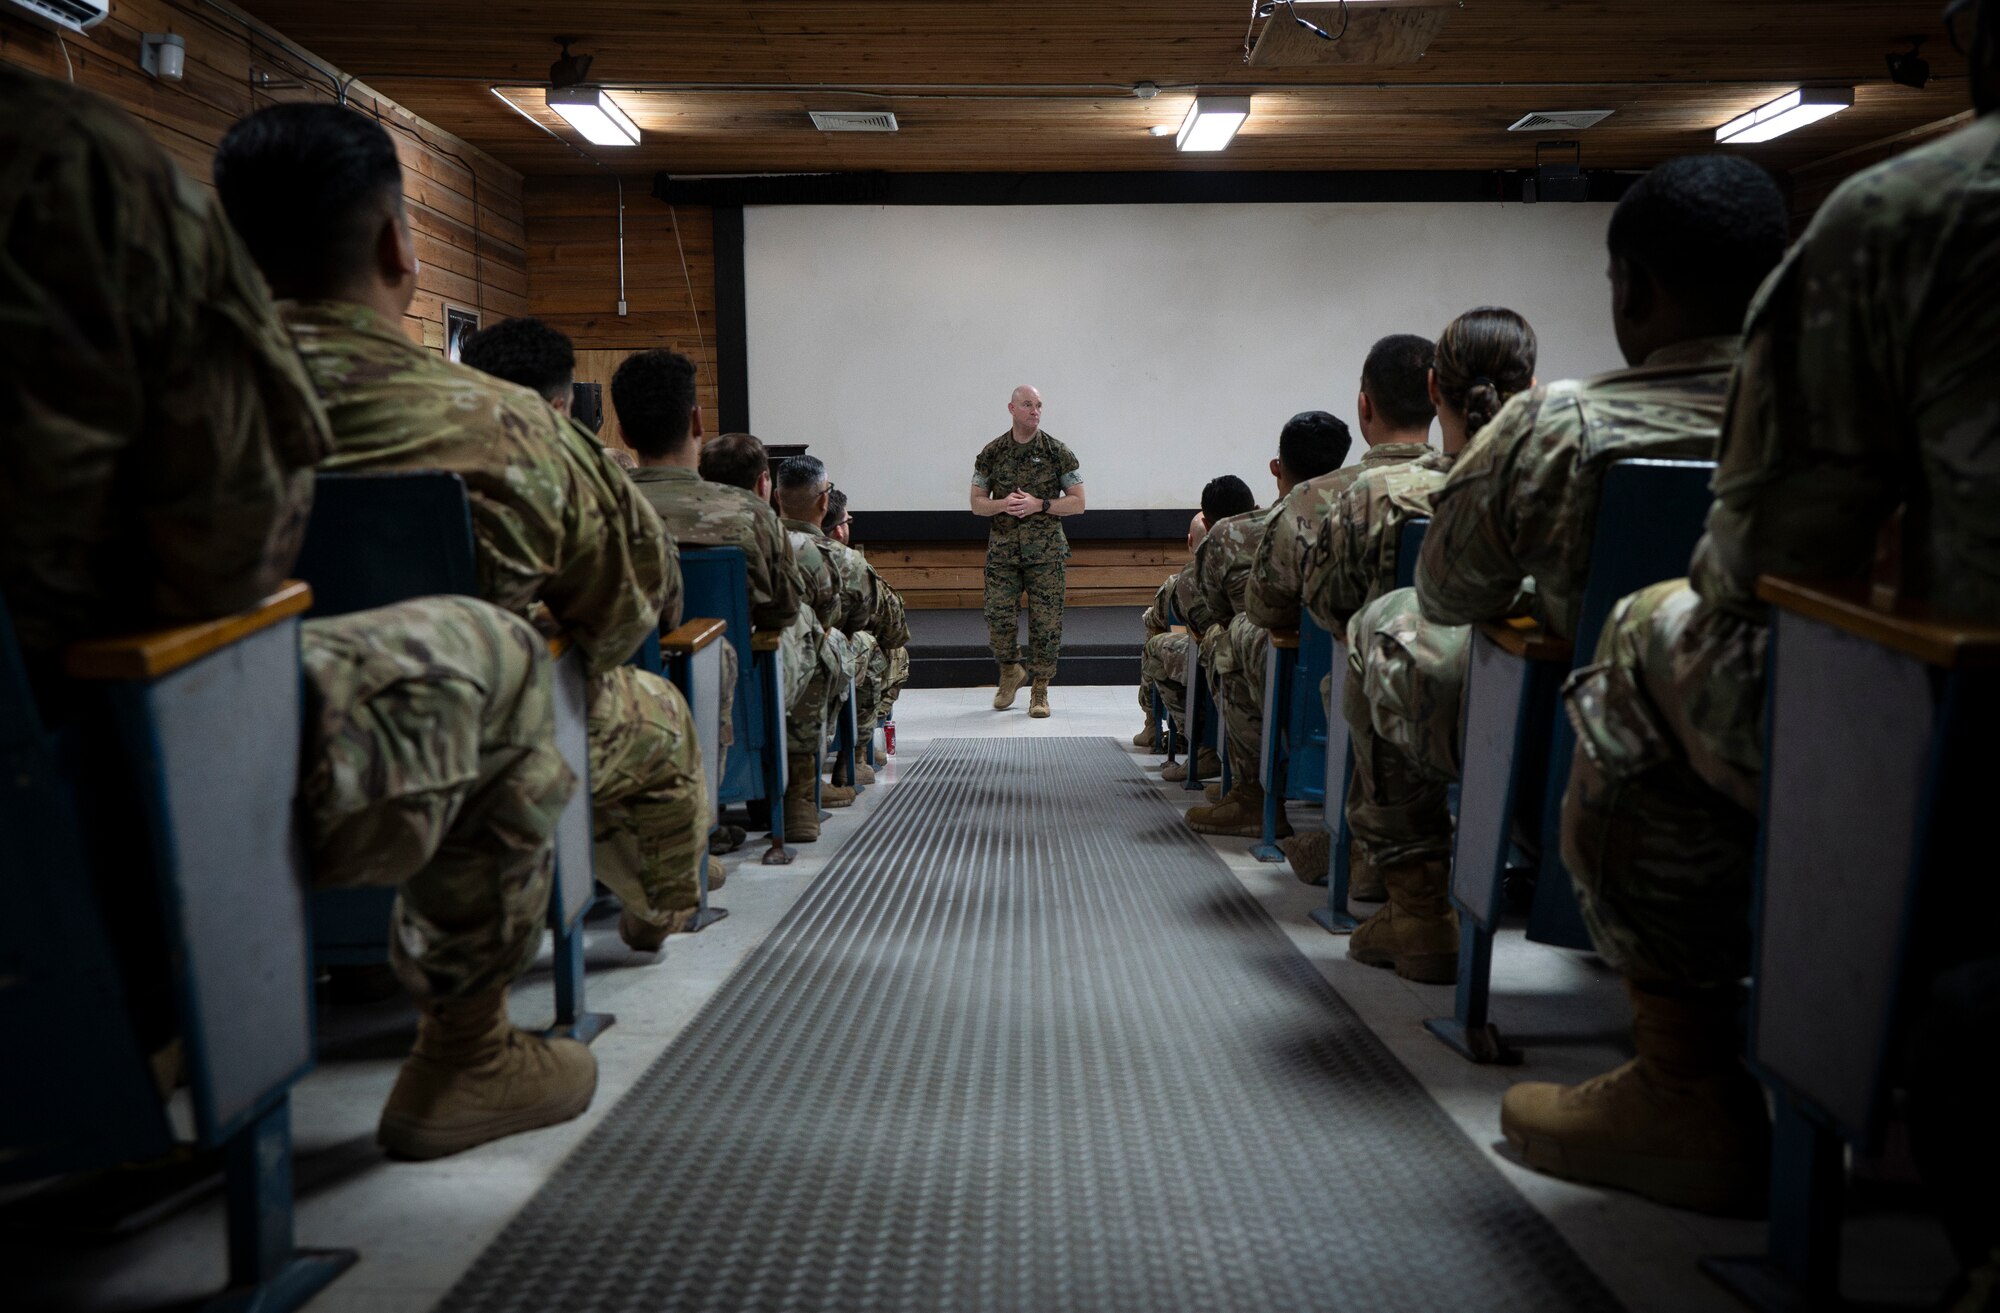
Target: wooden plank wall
944 576
465 206
572 228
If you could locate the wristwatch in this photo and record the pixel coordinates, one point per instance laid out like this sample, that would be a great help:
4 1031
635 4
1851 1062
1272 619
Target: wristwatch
1045 505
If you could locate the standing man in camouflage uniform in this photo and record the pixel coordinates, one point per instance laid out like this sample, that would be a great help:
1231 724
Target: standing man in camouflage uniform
316 192
1026 483
1234 646
161 442
1866 383
1688 244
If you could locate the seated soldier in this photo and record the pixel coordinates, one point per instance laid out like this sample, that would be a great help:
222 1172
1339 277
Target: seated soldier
526 351
159 471
841 592
316 192
888 664
1866 382
1159 621
1164 658
1310 447
1511 527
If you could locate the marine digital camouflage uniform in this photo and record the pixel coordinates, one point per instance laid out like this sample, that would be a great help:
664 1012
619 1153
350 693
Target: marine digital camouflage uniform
1026 554
1231 647
1867 380
698 512
1276 596
1510 534
162 438
557 523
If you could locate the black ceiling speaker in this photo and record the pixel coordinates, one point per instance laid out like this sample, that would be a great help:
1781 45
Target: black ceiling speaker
1909 68
570 70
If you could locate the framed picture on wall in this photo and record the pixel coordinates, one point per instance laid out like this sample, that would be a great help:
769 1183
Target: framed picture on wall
458 325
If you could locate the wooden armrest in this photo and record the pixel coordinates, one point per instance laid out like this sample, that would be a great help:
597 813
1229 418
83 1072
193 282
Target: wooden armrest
1911 628
693 636
162 651
1528 640
1177 629
558 644
1286 640
766 640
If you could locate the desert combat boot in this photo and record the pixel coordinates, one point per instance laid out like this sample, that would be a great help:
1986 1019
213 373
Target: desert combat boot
1240 812
1417 932
1011 679
1683 1123
801 811
1038 700
473 1077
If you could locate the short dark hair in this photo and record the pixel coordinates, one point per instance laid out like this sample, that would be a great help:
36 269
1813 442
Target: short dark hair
1396 379
1226 495
736 459
1313 443
305 186
653 393
799 479
1708 228
525 351
1484 357
836 510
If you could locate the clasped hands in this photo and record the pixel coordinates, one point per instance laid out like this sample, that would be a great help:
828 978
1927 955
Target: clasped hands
1021 505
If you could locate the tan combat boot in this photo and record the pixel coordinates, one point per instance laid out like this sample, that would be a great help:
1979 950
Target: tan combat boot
1364 881
1011 679
1417 933
1307 852
1148 737
473 1077
1683 1123
1177 771
1038 700
801 812
1240 813
642 936
864 772
838 791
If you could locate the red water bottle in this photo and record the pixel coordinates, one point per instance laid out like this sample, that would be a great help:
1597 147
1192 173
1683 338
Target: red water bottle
889 737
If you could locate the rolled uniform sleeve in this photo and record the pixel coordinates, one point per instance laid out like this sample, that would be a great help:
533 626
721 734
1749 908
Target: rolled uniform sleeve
1067 471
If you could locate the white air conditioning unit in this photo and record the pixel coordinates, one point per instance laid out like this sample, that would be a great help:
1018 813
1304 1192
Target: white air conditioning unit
62 15
853 120
1560 120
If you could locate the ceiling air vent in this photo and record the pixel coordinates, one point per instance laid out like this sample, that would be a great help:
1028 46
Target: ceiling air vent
1561 120
853 120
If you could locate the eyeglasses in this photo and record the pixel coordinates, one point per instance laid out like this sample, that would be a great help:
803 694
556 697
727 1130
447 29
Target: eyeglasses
1953 14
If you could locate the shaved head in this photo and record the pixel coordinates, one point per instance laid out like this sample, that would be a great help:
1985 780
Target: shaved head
1025 406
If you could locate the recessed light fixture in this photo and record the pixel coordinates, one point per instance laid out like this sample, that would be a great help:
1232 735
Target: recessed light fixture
1211 121
1790 111
593 113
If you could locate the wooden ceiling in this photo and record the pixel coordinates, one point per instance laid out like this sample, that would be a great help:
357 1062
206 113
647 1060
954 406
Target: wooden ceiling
723 86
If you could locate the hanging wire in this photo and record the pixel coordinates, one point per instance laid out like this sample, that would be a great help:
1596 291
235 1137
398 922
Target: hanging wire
1268 8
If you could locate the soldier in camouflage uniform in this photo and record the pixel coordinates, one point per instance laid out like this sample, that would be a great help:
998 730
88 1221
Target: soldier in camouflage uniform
1311 447
1024 481
888 667
1163 655
555 524
162 438
1867 381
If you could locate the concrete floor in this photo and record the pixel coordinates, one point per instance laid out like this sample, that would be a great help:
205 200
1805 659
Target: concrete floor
418 1226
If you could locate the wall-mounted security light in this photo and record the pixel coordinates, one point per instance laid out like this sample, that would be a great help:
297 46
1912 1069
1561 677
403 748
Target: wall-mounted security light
164 55
1787 113
594 114
1211 121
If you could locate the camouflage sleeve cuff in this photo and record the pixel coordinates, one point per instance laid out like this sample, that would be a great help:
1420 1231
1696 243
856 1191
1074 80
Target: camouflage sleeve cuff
979 481
1071 479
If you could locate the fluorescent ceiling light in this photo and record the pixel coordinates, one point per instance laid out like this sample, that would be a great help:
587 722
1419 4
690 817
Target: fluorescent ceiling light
593 114
1793 110
1211 121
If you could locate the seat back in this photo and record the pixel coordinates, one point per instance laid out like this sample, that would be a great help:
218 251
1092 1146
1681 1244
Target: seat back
1305 735
1650 514
166 808
377 539
715 582
1409 543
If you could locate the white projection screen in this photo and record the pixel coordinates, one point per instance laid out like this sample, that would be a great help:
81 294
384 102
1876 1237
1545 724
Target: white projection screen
1170 341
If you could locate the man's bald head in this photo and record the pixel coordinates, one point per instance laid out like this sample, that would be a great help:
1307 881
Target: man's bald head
1197 530
1025 406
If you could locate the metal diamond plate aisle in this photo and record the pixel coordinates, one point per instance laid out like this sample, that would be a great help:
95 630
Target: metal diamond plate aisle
1026 1044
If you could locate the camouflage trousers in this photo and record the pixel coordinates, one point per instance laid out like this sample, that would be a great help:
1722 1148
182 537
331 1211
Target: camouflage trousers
1237 657
885 676
648 793
1659 824
429 763
1163 666
808 719
1042 581
1403 695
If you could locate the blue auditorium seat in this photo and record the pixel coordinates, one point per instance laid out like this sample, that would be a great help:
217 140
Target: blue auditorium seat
171 780
1518 743
1293 766
1877 782
1340 750
715 583
377 539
